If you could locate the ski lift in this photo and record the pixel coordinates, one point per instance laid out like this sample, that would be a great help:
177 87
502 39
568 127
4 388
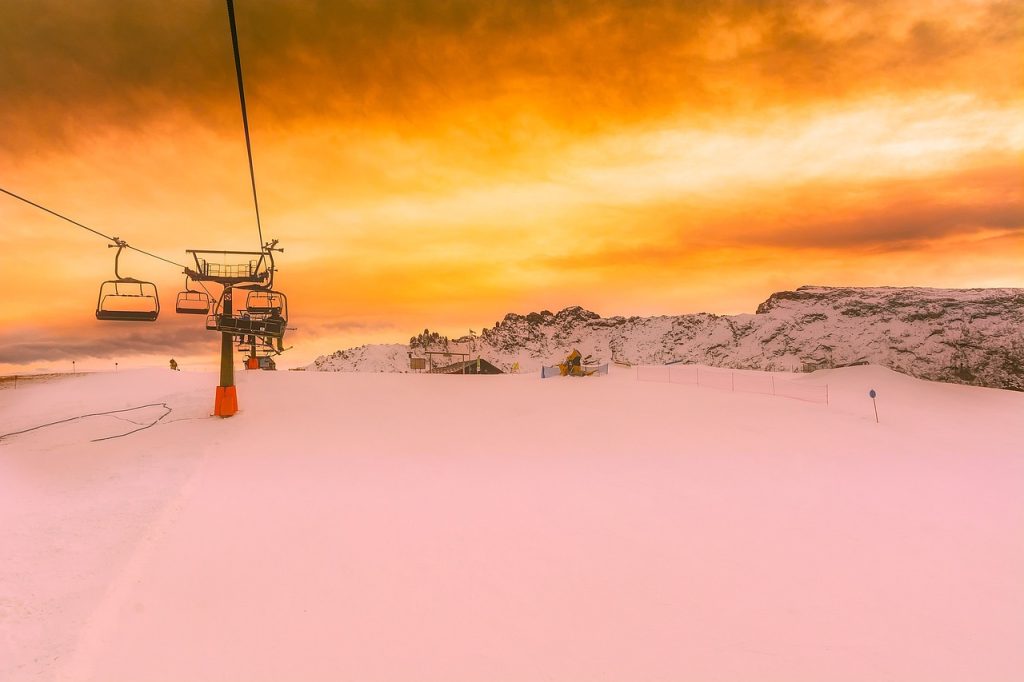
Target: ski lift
256 345
271 323
267 302
126 299
264 362
192 302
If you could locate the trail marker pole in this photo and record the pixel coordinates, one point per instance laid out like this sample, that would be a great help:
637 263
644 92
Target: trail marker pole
872 395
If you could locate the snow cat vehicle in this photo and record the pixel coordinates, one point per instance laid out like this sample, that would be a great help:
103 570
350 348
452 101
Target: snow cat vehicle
575 365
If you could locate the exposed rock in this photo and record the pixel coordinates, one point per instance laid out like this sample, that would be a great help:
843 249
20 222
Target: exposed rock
973 336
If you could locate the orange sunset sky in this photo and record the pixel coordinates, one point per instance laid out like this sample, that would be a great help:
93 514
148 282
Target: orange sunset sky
442 162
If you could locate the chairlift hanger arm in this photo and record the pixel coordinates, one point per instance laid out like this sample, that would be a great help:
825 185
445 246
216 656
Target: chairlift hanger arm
120 244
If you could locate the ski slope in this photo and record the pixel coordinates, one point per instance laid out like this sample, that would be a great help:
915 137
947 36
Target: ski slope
441 528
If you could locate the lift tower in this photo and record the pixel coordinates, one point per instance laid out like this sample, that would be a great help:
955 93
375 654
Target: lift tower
243 272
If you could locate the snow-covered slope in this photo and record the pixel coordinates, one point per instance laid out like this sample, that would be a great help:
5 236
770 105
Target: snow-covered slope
973 336
382 527
380 357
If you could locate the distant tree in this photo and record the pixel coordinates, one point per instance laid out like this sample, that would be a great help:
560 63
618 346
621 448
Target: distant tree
428 339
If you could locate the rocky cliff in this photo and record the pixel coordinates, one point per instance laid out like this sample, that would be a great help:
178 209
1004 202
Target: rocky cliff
972 336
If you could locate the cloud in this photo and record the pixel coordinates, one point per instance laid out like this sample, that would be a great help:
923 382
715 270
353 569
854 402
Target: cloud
896 214
847 217
417 65
439 160
25 345
902 226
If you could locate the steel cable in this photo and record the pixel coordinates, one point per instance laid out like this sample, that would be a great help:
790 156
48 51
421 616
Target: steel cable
114 240
245 117
100 414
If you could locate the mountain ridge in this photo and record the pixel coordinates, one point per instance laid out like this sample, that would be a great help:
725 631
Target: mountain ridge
968 336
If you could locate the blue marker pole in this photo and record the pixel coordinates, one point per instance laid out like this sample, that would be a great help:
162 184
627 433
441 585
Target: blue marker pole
872 395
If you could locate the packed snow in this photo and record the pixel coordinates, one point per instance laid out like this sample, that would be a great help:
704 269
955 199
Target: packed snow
371 357
423 527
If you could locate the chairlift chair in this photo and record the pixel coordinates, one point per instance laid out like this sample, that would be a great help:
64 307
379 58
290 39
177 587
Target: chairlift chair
271 306
126 299
192 302
271 327
258 345
267 302
244 322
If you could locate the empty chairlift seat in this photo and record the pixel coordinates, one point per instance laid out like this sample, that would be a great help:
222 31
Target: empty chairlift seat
192 302
128 300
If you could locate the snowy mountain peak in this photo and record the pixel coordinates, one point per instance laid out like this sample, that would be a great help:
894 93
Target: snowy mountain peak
973 336
908 300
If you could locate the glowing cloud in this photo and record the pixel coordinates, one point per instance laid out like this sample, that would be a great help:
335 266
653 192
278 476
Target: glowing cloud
445 163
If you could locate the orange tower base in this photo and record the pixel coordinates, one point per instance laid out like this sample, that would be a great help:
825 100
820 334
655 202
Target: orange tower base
226 403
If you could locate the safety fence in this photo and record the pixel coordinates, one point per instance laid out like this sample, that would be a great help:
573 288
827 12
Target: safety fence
555 370
15 381
733 380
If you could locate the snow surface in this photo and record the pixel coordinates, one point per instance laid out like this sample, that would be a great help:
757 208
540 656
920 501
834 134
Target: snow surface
371 357
421 527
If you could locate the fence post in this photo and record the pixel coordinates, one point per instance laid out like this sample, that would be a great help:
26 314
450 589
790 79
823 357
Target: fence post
826 395
698 375
772 377
732 381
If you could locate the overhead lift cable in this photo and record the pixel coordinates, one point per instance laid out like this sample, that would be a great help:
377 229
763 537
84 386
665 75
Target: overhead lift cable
245 117
114 240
